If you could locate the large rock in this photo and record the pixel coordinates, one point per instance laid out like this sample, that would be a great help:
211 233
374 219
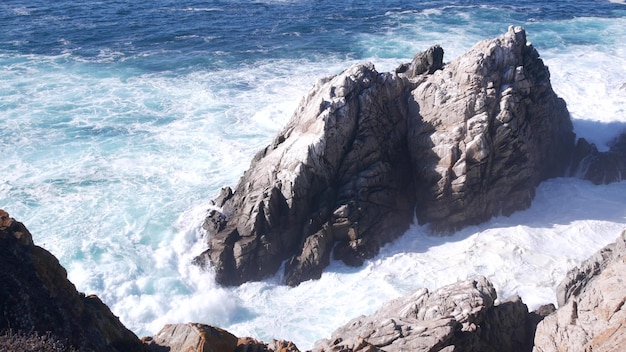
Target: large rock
339 172
36 296
484 131
592 315
464 142
458 317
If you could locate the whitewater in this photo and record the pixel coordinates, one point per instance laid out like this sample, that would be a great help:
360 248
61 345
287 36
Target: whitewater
119 122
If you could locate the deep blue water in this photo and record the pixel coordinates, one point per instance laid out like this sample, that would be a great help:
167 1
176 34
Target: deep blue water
190 35
120 120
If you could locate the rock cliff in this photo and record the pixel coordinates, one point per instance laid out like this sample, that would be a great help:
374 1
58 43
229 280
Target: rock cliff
366 151
40 308
36 296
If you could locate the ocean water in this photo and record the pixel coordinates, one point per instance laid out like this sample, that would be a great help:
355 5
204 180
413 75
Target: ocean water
120 120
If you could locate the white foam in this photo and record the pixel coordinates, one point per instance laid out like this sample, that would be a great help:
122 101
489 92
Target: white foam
111 171
527 254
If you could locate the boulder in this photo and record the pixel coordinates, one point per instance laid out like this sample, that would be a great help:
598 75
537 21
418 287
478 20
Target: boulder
248 344
591 314
191 337
457 317
366 151
36 296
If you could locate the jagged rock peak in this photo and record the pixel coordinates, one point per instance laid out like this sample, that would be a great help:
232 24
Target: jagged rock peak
464 141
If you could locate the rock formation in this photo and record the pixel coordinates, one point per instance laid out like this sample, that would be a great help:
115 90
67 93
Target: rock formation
458 317
35 295
36 299
191 337
600 167
366 151
591 314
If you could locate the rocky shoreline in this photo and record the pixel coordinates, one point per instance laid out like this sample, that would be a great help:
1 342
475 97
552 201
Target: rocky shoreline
36 297
465 140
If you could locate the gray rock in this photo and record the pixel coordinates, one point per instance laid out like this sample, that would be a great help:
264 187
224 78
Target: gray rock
592 315
338 172
578 278
484 131
464 141
458 317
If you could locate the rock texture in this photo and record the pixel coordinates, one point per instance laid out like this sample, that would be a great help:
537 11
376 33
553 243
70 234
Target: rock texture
592 315
35 295
484 131
191 337
464 142
458 317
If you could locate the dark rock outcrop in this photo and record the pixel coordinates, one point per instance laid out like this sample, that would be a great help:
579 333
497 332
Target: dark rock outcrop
36 296
591 314
464 141
457 317
39 305
600 167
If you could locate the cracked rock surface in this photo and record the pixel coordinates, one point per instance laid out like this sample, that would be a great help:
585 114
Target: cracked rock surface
365 152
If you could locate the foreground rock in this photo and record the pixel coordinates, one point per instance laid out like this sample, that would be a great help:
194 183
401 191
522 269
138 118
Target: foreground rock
41 307
36 296
191 337
592 315
464 141
458 317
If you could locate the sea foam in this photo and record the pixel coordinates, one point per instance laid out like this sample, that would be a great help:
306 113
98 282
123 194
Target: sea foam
110 159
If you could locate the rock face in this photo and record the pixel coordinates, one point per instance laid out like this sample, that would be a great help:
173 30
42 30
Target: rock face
464 142
458 317
484 131
592 315
35 295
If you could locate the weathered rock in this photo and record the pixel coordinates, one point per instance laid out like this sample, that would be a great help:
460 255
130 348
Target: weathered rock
458 317
248 344
465 141
592 315
35 295
428 61
600 167
484 131
191 337
337 173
